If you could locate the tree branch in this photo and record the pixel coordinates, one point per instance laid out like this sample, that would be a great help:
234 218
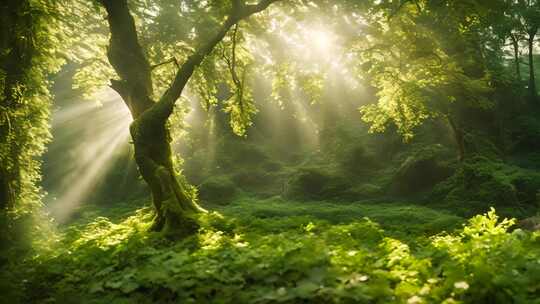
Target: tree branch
166 103
127 58
232 65
165 62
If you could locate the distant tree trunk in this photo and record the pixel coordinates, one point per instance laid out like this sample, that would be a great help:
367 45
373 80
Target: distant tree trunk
176 211
532 78
459 137
7 197
515 45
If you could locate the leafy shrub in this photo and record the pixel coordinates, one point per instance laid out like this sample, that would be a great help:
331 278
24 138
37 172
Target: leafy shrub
366 190
466 261
480 144
315 183
258 180
421 171
234 153
358 161
484 180
527 133
219 189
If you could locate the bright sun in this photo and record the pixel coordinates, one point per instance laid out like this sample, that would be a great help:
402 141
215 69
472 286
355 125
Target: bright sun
321 40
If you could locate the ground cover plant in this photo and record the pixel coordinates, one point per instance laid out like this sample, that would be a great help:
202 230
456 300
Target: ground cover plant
303 255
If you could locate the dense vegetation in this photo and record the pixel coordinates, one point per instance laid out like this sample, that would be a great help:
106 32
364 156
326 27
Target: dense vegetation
293 151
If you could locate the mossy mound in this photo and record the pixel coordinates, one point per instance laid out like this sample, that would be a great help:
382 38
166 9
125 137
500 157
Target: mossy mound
315 183
366 190
259 181
527 133
485 180
218 190
421 171
358 161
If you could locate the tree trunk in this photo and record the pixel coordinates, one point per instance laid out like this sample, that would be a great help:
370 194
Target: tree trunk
7 195
175 209
532 80
515 44
459 137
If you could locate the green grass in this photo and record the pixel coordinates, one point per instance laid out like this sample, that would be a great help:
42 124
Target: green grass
277 251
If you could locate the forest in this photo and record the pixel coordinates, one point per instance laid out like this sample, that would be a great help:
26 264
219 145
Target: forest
269 151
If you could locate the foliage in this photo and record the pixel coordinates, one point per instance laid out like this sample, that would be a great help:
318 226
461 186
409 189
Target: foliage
417 74
25 100
29 52
421 170
482 179
219 190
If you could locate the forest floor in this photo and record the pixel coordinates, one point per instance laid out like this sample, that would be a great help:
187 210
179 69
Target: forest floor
279 251
396 218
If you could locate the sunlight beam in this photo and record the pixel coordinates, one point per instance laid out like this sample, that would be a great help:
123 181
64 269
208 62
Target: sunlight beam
97 131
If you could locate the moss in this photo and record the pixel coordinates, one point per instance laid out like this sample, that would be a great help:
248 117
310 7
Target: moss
179 223
217 189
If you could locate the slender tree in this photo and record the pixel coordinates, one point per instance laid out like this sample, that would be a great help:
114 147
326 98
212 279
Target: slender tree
528 17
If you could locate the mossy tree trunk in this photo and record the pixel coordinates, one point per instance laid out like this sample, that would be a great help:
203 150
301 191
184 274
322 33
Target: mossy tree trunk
176 212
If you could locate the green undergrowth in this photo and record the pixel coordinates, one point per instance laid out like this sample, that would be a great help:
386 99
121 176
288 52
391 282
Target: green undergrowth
311 252
392 217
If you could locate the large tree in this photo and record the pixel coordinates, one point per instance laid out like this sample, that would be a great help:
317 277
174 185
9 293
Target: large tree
176 211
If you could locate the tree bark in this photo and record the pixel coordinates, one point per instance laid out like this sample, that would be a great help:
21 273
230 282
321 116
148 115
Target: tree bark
532 78
7 195
176 211
515 45
459 137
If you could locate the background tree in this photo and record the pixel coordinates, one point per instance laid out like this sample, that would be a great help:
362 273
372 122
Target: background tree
528 12
426 60
27 55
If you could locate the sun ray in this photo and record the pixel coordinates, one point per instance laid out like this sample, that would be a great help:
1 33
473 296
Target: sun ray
97 132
